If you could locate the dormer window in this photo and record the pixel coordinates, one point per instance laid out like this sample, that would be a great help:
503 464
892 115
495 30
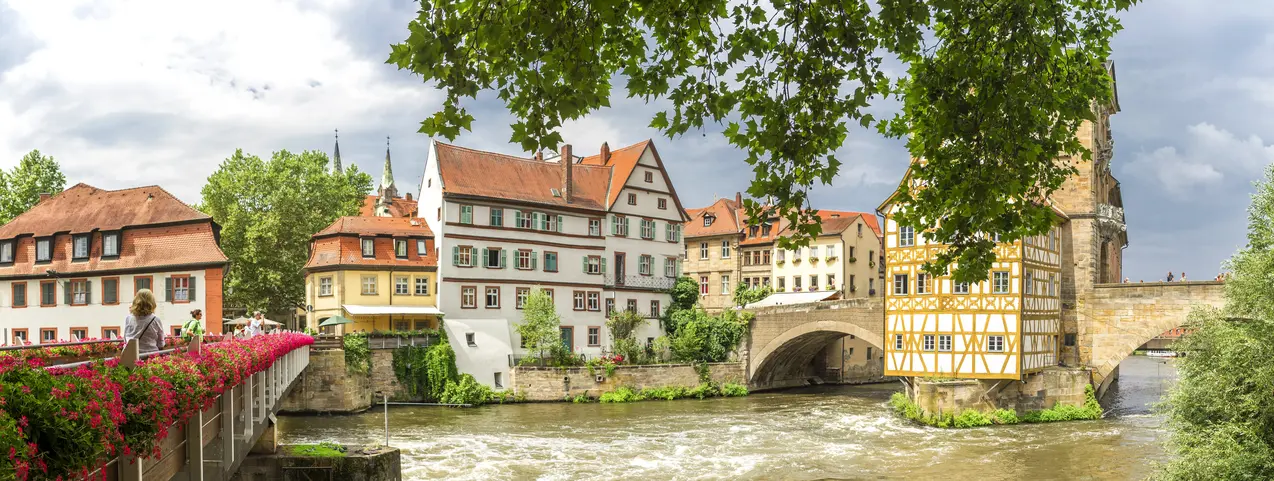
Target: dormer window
6 252
707 220
44 250
765 230
79 247
400 248
369 247
110 244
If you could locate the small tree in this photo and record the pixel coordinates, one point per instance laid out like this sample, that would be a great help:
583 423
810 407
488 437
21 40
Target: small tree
685 294
706 338
744 295
622 326
540 325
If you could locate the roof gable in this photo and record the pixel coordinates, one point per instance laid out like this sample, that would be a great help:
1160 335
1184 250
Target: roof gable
84 208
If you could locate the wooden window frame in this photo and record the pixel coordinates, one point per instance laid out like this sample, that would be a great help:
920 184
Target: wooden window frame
117 330
630 305
595 223
552 296
593 301
590 266
70 332
13 335
70 284
655 308
906 284
485 293
650 265
518 302
650 177
632 198
989 345
662 203
38 260
13 251
362 251
475 297
116 301
407 286
588 338
493 213
55 293
331 286
149 280
460 253
119 244
174 277
556 261
406 249
517 259
13 295
415 285
88 247
925 341
47 329
579 301
375 285
493 253
174 330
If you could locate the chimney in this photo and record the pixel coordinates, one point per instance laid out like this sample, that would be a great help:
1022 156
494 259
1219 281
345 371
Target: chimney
738 199
43 197
409 196
539 156
568 162
605 152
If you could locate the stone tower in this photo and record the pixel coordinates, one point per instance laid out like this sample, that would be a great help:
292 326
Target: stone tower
1094 238
387 191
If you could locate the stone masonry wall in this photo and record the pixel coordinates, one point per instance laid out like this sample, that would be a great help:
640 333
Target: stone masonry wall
557 384
326 386
383 378
1042 390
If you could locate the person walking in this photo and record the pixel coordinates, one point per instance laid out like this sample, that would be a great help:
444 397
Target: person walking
1183 276
1169 276
193 327
256 326
142 323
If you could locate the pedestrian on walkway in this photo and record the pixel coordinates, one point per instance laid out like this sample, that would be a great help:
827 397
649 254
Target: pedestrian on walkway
193 327
142 323
1169 276
1183 276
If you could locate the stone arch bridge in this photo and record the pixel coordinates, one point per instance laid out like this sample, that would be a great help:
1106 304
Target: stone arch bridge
1113 321
784 340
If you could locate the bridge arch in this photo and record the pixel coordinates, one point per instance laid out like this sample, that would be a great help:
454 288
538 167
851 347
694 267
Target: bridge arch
785 340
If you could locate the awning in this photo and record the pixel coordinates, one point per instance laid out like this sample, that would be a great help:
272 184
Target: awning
784 298
357 310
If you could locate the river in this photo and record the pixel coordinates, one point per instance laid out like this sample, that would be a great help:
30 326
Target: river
830 432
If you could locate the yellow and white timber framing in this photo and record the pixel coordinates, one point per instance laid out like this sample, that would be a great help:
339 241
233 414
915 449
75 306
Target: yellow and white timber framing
1002 328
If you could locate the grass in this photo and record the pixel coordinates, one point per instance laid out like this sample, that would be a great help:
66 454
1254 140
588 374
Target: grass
972 418
320 450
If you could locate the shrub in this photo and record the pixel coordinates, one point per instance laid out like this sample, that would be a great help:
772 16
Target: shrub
701 337
971 418
358 354
623 394
665 393
733 390
440 368
1005 416
466 390
580 399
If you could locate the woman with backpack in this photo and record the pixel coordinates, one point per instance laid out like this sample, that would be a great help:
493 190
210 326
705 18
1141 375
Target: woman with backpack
142 323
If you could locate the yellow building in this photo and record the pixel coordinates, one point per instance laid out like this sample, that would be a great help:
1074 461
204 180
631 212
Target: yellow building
1002 328
380 272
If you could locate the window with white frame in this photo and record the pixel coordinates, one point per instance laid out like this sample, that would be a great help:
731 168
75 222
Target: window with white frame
1030 284
906 236
110 244
422 286
526 260
995 343
325 286
619 226
369 247
422 249
670 267
654 308
401 286
672 232
1000 282
520 296
463 256
595 227
578 298
814 282
79 247
369 285
928 342
922 283
632 305
44 250
960 287
647 229
493 298
522 220
831 251
594 301
898 342
1052 285
400 248
645 265
6 251
703 250
593 265
944 343
703 285
468 297
900 284
796 283
662 203
725 284
831 282
796 254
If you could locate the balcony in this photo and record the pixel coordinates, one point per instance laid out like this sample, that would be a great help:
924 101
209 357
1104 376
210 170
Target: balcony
653 283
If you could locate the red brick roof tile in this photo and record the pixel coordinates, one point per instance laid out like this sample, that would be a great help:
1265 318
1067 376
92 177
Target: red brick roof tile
726 220
398 207
477 173
372 225
84 208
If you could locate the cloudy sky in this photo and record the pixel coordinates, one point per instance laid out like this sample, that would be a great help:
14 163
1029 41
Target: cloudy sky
134 92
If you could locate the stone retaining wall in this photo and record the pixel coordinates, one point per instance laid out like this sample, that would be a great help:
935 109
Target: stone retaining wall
557 384
1053 386
326 386
359 464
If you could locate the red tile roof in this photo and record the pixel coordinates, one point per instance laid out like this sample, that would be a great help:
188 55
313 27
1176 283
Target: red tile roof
477 173
398 207
623 161
141 248
84 208
777 225
726 212
340 245
371 225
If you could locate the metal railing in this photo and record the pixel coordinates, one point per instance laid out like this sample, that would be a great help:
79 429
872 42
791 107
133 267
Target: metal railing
654 283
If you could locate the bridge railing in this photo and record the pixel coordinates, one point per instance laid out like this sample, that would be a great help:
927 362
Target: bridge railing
209 440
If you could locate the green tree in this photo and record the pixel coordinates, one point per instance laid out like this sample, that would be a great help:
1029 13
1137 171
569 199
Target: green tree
706 338
623 327
685 295
744 295
1221 410
540 325
268 209
993 94
21 187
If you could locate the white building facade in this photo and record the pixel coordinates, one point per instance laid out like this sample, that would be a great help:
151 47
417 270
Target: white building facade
595 233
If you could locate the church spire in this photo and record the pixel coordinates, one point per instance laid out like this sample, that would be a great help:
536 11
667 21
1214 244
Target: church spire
388 191
336 155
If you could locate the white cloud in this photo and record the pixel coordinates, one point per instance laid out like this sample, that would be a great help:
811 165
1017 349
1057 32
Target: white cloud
168 88
1208 157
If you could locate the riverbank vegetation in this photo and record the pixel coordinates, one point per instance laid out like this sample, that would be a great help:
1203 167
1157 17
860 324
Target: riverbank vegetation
1221 410
320 450
625 394
972 418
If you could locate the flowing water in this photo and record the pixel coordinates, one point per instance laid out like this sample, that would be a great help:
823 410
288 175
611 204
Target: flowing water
840 432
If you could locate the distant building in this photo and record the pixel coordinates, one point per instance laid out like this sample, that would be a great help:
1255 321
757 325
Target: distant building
599 233
712 256
846 257
380 272
70 266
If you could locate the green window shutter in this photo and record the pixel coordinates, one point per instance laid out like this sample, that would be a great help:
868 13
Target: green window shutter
168 289
559 223
625 227
504 255
455 255
485 255
534 257
586 264
193 289
66 291
603 265
88 292
614 225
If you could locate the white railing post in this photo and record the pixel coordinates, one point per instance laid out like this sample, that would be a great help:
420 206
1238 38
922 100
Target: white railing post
227 430
194 447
